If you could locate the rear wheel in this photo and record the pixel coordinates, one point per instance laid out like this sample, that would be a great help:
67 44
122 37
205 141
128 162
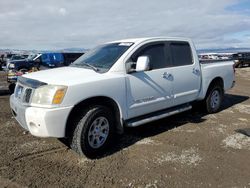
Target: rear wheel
214 99
93 131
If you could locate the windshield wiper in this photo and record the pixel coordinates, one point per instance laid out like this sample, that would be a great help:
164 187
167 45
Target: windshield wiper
89 65
92 66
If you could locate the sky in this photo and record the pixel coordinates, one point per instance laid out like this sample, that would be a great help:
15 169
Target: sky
60 24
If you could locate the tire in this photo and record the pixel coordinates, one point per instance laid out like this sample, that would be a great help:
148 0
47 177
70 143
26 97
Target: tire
214 99
23 70
93 133
12 88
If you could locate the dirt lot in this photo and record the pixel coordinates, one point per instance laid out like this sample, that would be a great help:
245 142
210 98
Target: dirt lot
191 149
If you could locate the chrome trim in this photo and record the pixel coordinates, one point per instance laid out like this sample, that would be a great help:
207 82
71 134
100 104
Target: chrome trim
147 120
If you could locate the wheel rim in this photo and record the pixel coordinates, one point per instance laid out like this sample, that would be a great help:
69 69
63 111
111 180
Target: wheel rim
98 132
215 99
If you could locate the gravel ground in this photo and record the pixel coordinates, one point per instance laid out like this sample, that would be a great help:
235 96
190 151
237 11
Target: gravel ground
191 149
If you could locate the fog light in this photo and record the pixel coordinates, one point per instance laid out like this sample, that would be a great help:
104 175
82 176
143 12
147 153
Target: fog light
33 126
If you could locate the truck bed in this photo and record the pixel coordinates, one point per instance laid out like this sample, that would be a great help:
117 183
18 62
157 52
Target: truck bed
216 68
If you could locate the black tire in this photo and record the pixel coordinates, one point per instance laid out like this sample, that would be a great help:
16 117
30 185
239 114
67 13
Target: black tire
23 70
214 98
12 87
80 139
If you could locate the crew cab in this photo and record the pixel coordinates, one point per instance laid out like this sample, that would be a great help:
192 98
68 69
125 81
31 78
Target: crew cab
119 84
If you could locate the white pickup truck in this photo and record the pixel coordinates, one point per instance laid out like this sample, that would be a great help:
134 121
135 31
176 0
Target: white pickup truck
122 83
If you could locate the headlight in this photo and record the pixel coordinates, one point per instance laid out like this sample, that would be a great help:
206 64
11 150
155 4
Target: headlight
11 65
49 95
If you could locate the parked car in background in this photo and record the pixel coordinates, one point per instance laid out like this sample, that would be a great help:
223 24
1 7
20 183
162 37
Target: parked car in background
24 64
13 75
36 60
1 61
5 58
17 68
242 59
15 57
120 84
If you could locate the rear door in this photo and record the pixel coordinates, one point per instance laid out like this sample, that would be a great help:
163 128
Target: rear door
150 91
186 73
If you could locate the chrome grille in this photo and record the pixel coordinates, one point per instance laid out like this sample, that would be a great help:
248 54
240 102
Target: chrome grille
23 93
27 95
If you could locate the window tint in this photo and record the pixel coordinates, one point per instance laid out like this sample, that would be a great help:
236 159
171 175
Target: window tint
181 53
156 56
103 57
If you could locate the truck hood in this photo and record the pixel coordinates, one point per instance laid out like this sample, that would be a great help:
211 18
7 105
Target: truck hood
65 76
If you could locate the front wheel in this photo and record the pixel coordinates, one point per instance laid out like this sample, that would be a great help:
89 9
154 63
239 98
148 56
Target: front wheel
214 98
93 131
12 88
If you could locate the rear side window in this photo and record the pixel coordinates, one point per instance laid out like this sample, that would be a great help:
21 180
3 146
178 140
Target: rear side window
156 55
181 53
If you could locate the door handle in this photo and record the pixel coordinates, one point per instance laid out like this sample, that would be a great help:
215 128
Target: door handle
167 75
196 71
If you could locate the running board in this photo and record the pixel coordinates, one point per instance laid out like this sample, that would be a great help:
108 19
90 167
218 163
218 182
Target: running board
157 115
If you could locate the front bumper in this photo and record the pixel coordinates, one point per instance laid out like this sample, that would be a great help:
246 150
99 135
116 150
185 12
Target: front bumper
41 122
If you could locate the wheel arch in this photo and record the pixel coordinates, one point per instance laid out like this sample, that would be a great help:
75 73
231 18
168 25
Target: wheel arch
22 67
216 81
98 100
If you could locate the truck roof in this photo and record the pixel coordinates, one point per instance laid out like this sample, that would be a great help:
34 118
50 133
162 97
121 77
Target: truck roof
139 40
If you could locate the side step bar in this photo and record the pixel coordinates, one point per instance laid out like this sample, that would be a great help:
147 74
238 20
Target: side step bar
157 115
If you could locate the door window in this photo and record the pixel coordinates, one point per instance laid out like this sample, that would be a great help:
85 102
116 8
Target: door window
181 53
156 55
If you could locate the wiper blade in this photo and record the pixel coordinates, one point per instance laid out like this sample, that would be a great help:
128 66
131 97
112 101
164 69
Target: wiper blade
92 66
87 64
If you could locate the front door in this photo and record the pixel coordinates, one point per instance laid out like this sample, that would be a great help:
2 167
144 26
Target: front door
150 91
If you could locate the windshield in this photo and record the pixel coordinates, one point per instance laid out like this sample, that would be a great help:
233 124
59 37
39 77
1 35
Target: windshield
102 58
17 57
32 57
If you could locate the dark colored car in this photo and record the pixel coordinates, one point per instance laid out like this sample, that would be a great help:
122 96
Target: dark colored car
242 59
24 64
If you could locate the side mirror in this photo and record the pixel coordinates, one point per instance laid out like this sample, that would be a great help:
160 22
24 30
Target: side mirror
142 63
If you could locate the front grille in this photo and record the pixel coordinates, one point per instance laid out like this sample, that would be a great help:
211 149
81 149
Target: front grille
25 88
27 95
23 93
